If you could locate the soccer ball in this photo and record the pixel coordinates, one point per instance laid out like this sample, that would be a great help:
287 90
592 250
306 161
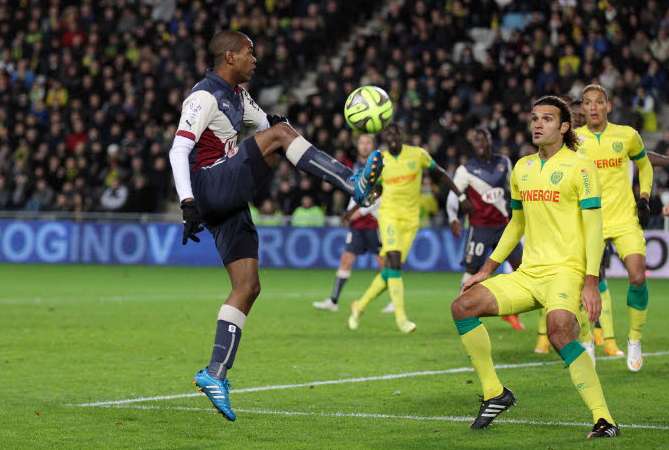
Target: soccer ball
368 109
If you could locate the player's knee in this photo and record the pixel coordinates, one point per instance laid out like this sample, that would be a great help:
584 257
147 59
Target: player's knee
249 290
283 133
559 335
461 308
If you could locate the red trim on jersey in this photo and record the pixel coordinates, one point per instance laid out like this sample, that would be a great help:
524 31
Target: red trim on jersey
186 134
208 149
484 214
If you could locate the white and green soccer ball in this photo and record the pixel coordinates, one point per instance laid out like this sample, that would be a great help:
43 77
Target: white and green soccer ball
368 109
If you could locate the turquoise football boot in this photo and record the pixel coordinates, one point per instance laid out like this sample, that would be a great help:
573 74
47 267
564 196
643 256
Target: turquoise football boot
217 391
365 179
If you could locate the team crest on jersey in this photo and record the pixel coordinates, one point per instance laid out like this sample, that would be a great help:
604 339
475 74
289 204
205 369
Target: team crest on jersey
412 165
617 146
556 177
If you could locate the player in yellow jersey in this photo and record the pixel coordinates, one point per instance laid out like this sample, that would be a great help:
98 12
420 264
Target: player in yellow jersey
612 147
555 197
398 221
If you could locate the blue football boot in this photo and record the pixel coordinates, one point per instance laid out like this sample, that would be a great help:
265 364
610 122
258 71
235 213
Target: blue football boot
365 179
217 391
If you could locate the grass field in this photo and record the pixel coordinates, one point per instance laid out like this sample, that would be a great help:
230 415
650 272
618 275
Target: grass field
71 335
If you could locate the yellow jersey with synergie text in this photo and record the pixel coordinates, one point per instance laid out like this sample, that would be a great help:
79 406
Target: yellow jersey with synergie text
551 194
402 178
611 152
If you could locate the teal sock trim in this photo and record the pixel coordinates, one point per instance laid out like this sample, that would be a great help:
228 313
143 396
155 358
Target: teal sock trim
464 326
603 286
571 351
393 273
637 296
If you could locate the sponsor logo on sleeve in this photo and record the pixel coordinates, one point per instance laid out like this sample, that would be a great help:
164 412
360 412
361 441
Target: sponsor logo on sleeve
587 185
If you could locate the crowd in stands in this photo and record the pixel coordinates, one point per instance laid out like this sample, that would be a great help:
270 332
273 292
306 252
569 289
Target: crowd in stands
90 91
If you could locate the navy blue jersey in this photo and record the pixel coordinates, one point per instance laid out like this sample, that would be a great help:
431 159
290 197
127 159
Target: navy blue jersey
213 116
486 184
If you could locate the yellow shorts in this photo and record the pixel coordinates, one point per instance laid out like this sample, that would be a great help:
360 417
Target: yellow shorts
628 241
519 292
397 235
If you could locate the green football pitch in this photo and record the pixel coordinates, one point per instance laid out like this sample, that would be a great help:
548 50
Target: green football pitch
103 357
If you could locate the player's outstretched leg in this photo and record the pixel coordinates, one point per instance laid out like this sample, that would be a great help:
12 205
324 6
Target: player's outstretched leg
212 380
466 310
637 307
303 155
376 288
561 325
606 322
343 274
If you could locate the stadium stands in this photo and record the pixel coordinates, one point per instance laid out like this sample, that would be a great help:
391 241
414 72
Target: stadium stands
90 91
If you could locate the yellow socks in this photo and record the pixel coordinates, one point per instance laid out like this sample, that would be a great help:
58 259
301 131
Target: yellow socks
585 379
637 307
396 291
374 290
475 338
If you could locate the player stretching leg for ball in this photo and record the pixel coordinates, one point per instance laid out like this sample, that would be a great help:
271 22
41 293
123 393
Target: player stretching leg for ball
216 179
362 237
555 197
485 181
398 221
611 147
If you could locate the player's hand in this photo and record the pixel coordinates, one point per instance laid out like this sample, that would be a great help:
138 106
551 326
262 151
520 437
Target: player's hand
456 228
474 279
591 298
273 119
665 211
192 222
643 210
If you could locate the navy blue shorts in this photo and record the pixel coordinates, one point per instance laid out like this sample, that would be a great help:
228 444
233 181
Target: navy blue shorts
223 191
481 241
360 242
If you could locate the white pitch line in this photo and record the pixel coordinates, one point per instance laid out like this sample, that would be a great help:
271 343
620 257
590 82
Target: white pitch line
395 376
360 415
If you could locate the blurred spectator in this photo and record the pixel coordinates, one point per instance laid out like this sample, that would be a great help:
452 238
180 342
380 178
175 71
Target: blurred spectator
42 198
268 215
308 214
114 198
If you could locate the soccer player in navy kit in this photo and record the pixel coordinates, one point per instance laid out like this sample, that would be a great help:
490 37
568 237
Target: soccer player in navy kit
484 180
216 178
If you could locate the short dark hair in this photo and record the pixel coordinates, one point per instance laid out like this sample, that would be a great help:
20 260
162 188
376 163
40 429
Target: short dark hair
570 138
226 41
595 87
